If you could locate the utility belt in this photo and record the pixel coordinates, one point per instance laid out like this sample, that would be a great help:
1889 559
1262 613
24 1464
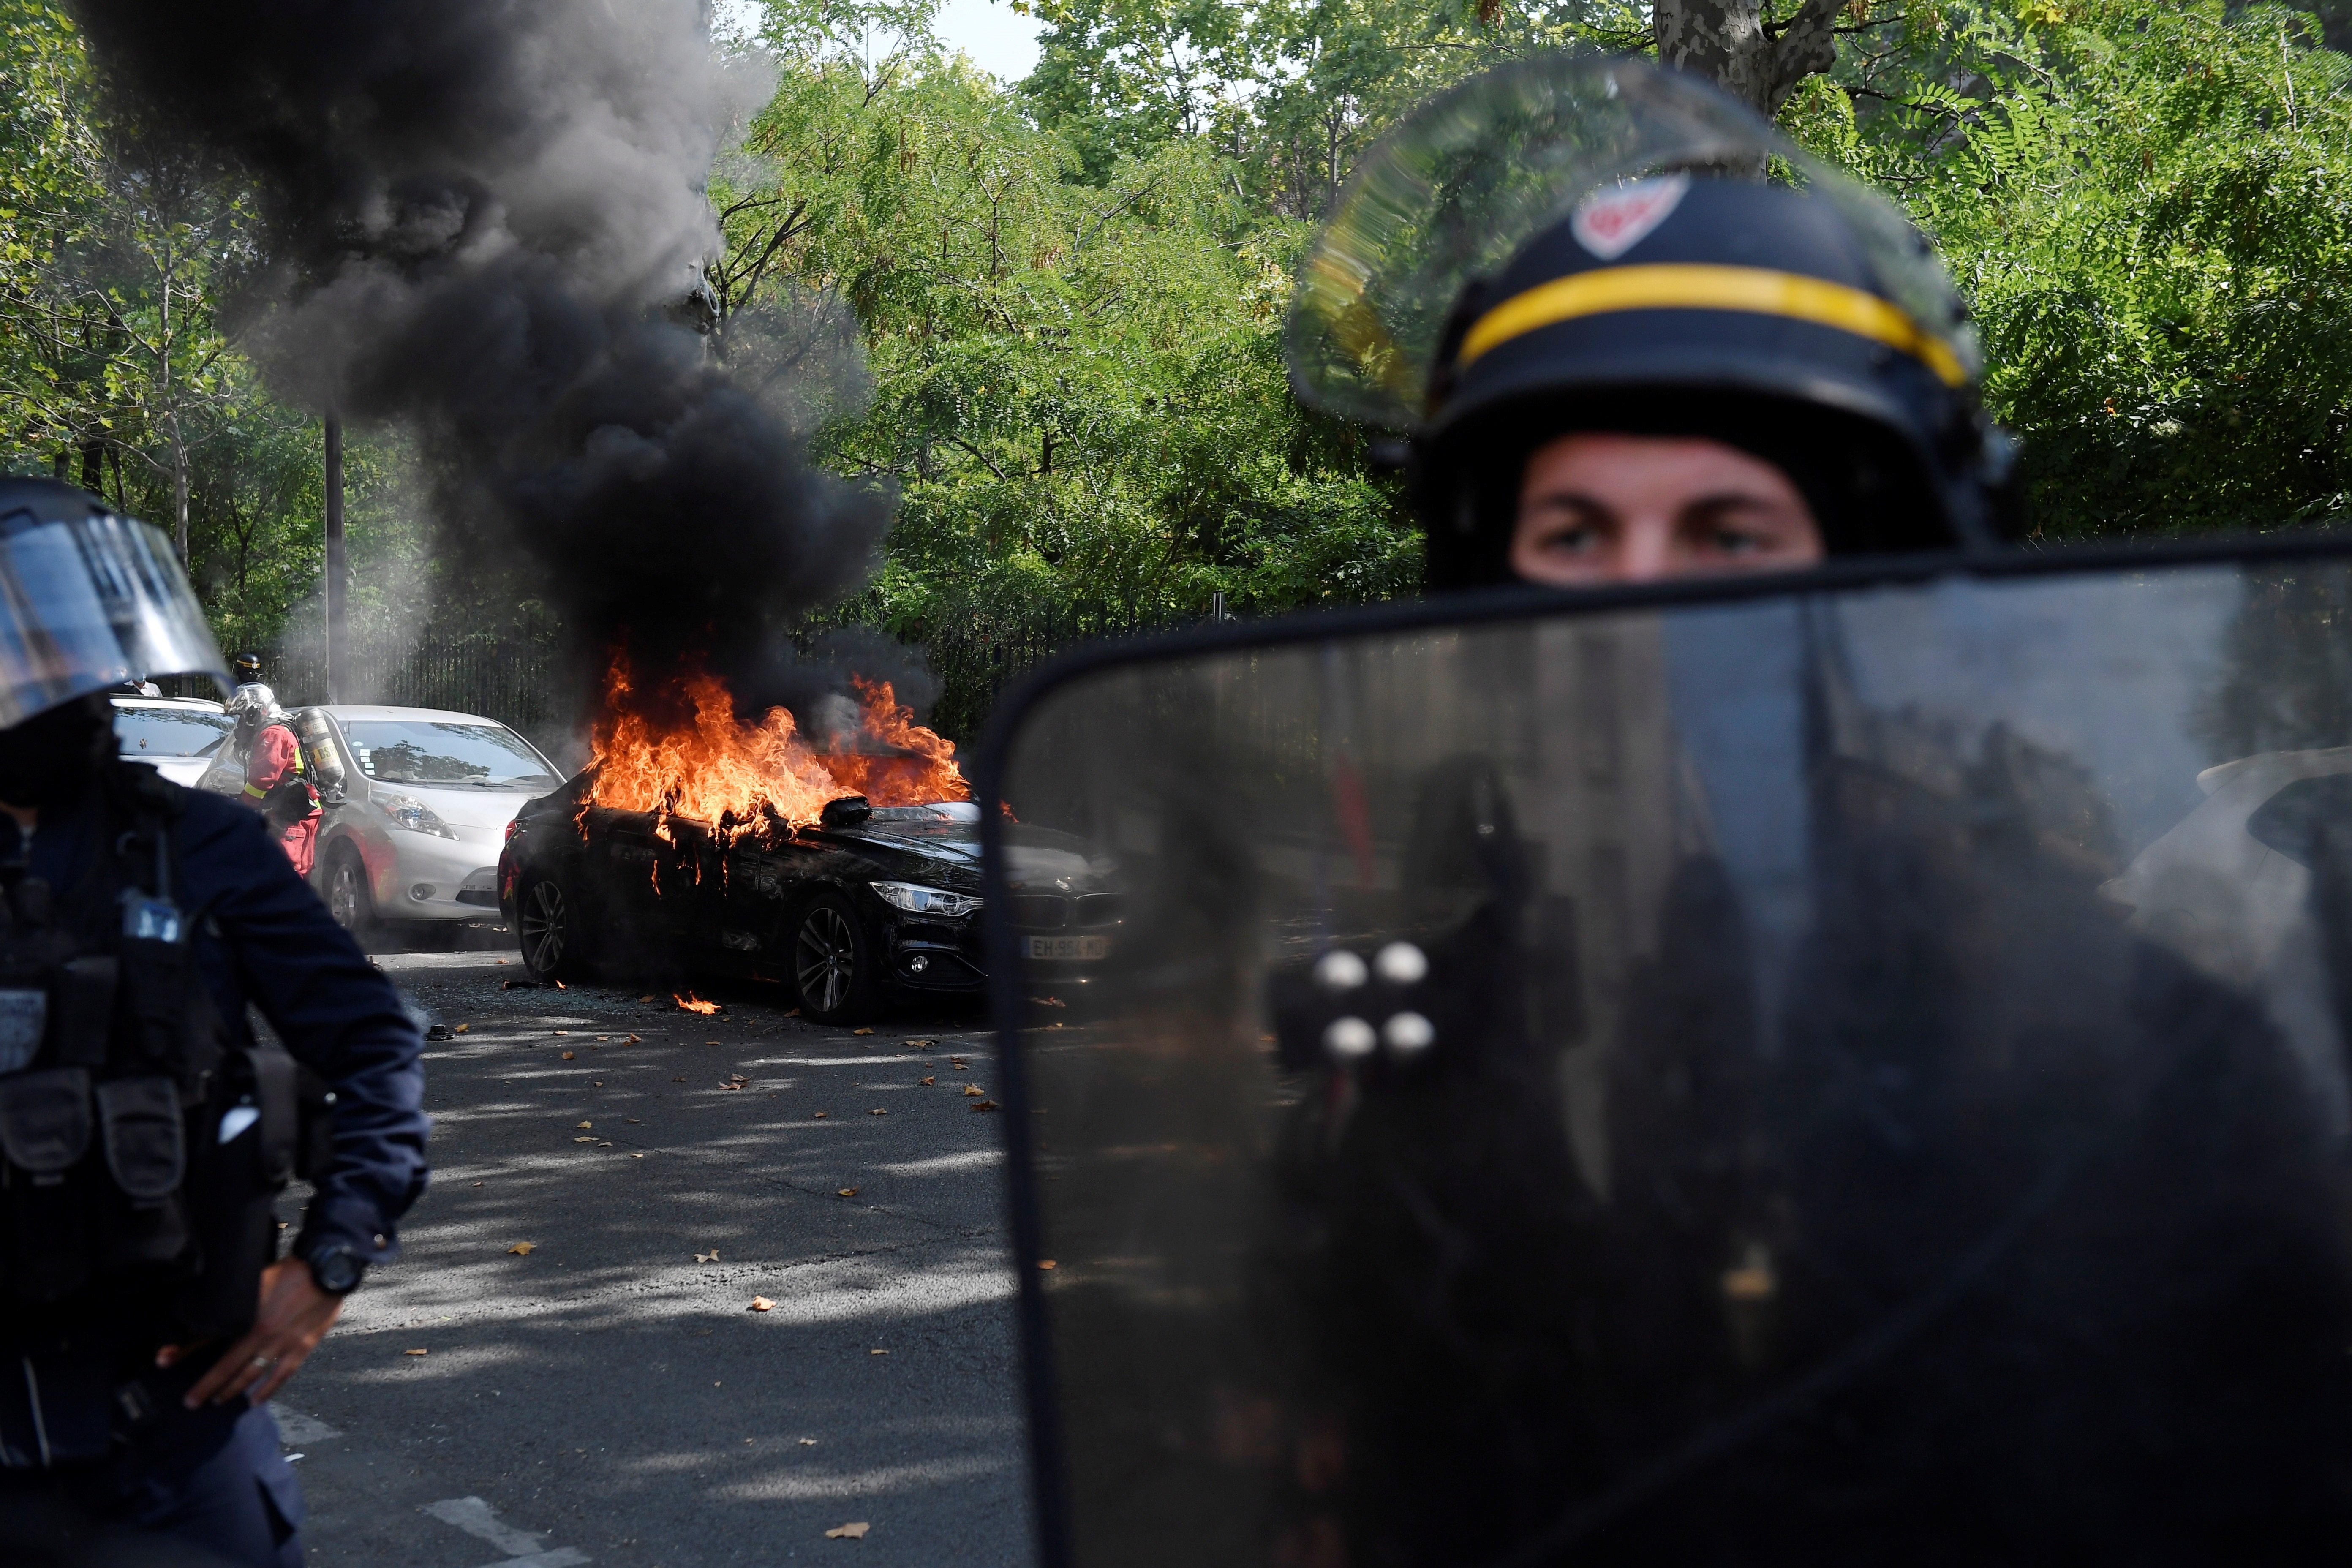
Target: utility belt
142 1143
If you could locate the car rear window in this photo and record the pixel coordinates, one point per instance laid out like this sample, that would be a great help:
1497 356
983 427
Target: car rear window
168 731
408 750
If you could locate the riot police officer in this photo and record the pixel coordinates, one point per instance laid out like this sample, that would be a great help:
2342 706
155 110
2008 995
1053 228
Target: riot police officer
1621 352
144 1310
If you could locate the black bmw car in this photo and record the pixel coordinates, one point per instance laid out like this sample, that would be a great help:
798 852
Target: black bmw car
871 903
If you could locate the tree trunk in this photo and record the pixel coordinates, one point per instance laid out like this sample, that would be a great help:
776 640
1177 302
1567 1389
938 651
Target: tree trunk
179 493
1732 43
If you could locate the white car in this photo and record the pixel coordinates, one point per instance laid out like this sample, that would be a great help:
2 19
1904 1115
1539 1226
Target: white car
180 735
414 824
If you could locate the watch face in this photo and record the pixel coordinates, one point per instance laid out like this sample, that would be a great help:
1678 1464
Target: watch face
335 1271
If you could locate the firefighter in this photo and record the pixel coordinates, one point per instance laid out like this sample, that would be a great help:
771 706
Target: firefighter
247 668
1651 362
277 782
146 1317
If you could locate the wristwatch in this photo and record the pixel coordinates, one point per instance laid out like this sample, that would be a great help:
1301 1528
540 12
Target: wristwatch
336 1268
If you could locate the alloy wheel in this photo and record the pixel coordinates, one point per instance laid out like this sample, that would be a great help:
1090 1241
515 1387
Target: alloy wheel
545 927
343 894
825 959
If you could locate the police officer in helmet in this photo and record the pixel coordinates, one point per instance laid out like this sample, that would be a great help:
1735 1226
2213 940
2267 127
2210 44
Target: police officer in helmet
1659 342
145 1312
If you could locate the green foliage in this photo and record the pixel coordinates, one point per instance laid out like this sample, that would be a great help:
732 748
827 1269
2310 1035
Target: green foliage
115 371
1079 390
2150 209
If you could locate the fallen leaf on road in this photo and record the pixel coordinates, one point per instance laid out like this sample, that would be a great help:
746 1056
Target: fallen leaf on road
762 1304
711 1256
849 1531
636 1122
583 1140
808 1442
463 1028
711 1042
416 1353
501 961
973 1090
641 998
1044 1263
522 1250
1049 1001
560 986
595 1083
820 1116
562 1031
877 1110
929 1081
792 1012
957 1063
586 1125
877 1353
919 1045
861 1031
568 1054
985 1105
630 1041
847 1192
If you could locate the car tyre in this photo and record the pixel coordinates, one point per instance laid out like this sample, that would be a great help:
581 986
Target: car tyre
348 897
552 930
837 972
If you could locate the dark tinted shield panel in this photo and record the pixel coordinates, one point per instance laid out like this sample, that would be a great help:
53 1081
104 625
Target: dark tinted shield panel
1856 1078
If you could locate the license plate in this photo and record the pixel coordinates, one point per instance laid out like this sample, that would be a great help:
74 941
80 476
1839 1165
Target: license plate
1067 947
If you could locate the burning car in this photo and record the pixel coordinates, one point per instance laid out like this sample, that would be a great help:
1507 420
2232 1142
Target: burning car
849 872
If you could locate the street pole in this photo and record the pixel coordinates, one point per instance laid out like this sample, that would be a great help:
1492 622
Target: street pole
334 483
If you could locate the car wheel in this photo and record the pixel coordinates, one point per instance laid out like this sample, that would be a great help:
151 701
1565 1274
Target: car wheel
348 899
552 930
835 971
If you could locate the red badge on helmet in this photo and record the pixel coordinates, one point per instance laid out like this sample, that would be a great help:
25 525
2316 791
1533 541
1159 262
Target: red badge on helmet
1611 223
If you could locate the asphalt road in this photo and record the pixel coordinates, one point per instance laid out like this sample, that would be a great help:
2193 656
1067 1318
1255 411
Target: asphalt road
610 1395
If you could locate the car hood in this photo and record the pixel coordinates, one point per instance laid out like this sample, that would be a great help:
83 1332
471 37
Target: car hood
1034 857
460 807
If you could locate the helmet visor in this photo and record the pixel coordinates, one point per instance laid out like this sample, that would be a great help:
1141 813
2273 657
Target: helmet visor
86 602
1450 195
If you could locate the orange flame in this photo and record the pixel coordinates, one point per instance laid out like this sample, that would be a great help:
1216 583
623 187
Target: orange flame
716 770
693 1003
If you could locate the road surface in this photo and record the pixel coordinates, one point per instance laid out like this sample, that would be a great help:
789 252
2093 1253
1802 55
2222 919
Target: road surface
595 1385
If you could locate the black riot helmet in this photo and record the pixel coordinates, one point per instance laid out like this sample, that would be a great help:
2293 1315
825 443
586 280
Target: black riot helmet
1587 244
248 668
89 599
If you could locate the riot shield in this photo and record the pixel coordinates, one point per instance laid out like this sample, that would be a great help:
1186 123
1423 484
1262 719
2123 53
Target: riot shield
1852 1071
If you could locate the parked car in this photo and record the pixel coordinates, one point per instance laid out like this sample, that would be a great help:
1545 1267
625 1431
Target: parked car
416 804
179 735
869 904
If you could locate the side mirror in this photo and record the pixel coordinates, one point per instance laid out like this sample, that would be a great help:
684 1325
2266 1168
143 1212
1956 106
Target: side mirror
847 812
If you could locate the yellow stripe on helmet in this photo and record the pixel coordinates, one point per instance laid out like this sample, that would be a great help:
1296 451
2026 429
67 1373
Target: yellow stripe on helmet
1674 286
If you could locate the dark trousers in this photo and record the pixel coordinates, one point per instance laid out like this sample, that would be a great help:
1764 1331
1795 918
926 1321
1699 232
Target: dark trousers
213 1480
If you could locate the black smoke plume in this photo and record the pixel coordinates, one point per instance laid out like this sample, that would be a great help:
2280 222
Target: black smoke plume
485 223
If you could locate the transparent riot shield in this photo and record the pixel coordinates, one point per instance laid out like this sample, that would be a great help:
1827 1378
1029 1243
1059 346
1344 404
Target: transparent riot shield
1848 1074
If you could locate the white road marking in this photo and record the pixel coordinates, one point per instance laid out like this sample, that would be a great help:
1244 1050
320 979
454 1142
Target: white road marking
523 1547
300 1430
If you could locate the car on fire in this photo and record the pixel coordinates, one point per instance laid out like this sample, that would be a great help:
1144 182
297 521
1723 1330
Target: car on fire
869 904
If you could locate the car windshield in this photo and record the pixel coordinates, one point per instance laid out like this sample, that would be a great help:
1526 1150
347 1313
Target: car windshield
421 752
170 732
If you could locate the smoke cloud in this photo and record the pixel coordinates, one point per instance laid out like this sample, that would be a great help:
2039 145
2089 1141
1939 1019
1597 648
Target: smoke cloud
485 223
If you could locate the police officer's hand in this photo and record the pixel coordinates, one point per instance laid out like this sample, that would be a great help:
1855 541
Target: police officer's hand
295 1316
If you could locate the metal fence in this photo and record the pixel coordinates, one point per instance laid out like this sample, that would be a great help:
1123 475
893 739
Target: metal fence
517 679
